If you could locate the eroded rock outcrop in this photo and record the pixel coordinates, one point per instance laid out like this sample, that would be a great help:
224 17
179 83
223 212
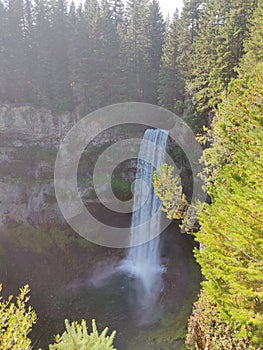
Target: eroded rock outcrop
29 141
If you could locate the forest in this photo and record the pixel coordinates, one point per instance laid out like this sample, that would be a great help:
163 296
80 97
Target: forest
205 64
60 55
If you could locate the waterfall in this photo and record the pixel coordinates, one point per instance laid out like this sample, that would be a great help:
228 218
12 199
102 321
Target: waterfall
35 206
143 261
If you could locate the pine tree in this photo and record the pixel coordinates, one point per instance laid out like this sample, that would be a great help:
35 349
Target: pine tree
43 78
84 55
156 29
168 188
30 53
233 266
253 44
217 50
78 50
3 53
73 49
111 74
171 85
231 226
76 336
16 320
136 45
14 81
187 32
117 11
59 56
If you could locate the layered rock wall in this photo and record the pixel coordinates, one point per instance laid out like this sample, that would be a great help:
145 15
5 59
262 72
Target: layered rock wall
29 141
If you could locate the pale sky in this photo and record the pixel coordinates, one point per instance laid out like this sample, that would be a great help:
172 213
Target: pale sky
169 6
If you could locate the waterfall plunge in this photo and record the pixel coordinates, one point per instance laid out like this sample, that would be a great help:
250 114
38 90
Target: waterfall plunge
143 261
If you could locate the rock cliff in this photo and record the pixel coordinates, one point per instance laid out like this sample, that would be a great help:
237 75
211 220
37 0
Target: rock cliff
29 141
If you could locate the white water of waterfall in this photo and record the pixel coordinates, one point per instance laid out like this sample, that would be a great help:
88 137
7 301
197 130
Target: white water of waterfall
143 261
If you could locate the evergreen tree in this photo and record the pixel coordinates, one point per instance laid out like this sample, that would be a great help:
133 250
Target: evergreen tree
86 70
43 78
77 337
14 78
217 50
16 320
59 46
78 50
117 10
3 53
30 53
73 49
176 64
156 29
111 74
253 45
233 266
187 32
136 49
101 53
97 68
171 84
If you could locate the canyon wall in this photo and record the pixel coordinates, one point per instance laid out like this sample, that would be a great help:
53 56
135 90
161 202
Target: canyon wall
29 141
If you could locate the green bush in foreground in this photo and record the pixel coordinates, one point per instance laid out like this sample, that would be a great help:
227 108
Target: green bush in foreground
16 322
77 337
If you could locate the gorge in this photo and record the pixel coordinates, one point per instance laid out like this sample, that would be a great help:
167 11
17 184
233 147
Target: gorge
59 265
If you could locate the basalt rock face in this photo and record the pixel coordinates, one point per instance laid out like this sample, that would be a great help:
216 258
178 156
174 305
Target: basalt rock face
27 125
29 138
29 141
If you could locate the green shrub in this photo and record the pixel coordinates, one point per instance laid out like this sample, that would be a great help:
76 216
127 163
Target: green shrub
76 337
207 330
16 322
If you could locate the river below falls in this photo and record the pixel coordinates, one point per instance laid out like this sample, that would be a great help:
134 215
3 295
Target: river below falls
71 278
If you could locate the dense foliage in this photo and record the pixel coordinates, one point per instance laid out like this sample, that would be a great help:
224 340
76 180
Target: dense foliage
217 49
231 228
60 56
207 330
103 52
229 312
